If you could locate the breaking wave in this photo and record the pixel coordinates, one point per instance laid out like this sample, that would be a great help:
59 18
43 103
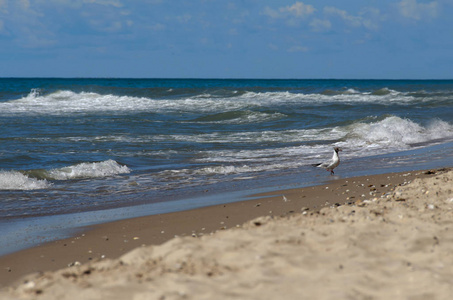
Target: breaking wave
228 108
13 180
40 179
394 132
373 132
240 117
88 170
363 138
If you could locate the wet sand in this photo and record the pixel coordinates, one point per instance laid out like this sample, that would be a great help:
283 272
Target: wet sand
372 236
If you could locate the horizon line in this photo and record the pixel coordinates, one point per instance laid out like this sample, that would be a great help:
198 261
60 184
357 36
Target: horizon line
223 78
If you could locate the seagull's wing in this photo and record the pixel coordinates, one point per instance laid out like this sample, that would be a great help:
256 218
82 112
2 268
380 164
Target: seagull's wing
324 165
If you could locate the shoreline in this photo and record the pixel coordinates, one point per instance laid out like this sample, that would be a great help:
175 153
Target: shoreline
30 231
113 239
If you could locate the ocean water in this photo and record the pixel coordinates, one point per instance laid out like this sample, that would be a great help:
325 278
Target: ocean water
71 146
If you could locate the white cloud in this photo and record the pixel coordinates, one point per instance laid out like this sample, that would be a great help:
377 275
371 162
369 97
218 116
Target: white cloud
351 20
274 14
371 18
320 25
22 23
25 4
29 23
115 3
368 17
298 10
80 3
413 10
4 6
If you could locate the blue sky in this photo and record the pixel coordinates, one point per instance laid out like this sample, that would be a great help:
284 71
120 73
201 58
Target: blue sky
227 39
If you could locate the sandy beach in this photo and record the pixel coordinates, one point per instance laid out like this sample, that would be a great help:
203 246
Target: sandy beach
372 237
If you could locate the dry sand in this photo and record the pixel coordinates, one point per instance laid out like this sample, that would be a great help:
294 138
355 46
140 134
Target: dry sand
111 240
396 245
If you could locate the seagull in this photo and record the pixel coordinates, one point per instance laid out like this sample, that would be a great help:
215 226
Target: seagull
331 164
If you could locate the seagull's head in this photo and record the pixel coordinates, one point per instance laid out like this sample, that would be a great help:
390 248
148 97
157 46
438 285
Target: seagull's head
337 149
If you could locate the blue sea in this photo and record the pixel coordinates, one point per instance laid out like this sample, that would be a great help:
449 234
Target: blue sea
76 152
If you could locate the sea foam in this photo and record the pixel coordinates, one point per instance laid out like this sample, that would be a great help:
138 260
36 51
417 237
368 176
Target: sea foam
229 109
13 180
88 170
396 132
40 179
360 139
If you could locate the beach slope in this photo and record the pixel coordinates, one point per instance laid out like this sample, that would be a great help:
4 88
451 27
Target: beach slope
393 246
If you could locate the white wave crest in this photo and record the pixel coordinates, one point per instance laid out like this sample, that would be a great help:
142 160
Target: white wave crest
350 96
384 135
13 180
240 117
68 102
88 170
225 170
359 139
394 132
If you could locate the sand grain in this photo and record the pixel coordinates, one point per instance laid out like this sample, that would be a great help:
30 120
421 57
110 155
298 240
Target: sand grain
398 246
